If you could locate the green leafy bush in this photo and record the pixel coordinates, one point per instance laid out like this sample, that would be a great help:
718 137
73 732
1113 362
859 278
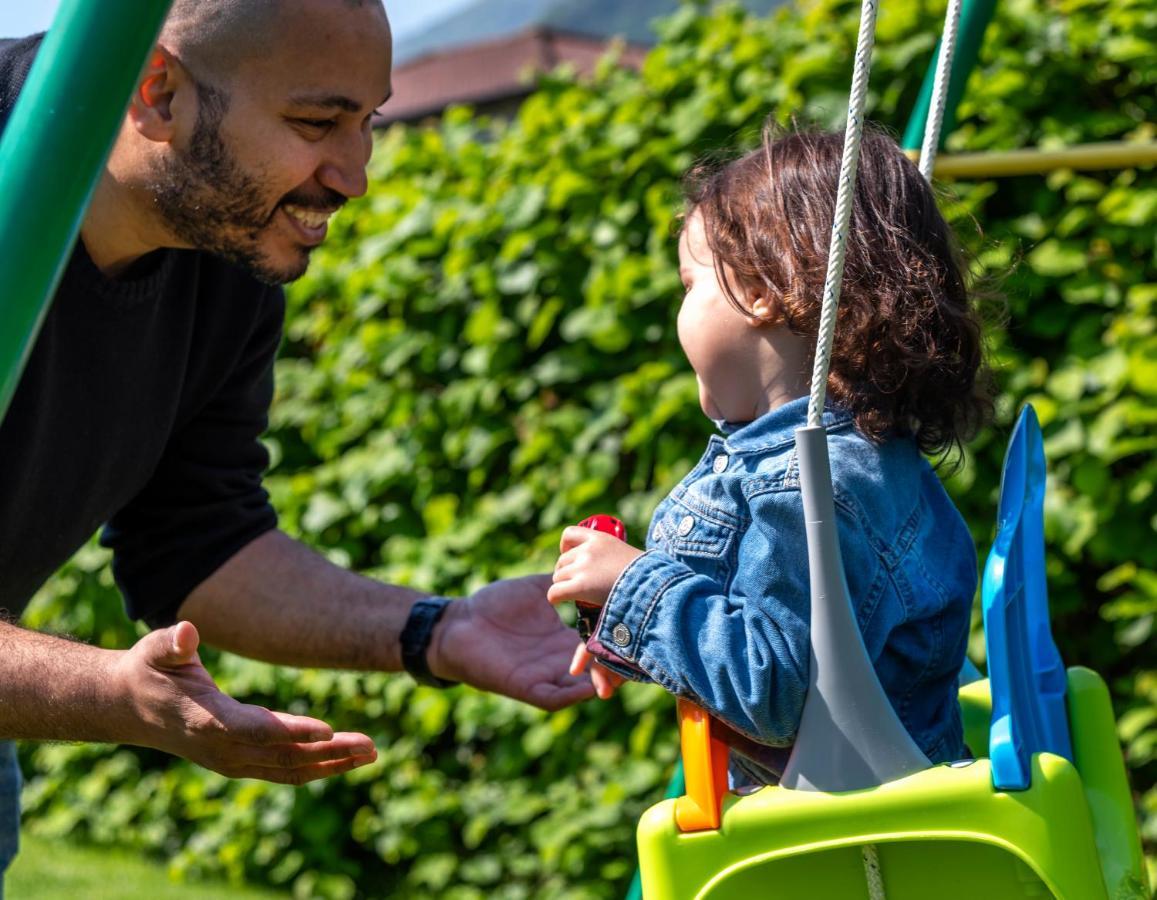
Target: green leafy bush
484 352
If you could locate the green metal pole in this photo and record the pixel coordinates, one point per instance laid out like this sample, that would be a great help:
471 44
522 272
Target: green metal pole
53 151
974 18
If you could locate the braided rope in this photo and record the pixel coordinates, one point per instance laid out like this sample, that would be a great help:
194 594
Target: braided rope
940 90
872 871
853 133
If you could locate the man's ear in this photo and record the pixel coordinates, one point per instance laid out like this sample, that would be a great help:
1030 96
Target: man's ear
151 106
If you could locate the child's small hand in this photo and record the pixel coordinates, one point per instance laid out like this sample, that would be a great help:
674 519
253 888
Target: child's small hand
590 563
605 681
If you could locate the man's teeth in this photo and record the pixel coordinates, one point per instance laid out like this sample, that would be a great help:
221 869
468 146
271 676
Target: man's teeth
308 217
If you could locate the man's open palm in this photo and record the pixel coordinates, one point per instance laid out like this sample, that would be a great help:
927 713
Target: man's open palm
181 710
507 638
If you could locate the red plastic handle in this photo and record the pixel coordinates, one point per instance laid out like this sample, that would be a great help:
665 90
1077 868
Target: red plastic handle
608 524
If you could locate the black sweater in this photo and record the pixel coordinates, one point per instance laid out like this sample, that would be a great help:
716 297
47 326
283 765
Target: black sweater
141 406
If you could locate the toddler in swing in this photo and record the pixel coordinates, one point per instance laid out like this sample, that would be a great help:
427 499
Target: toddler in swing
716 609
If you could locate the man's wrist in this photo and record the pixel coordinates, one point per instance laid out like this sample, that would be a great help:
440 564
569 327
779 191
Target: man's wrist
417 640
58 689
127 717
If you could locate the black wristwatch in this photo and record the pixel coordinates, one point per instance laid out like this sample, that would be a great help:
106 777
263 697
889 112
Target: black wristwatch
415 640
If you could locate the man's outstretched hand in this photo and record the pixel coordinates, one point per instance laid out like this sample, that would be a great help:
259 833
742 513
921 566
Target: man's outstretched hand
175 706
507 638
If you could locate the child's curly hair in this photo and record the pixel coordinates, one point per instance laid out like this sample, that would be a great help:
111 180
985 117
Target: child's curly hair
908 353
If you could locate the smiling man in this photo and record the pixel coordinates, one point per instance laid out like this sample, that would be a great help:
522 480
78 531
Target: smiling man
148 389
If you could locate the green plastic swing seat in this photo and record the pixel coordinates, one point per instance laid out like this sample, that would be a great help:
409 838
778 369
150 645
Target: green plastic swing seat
1044 812
942 833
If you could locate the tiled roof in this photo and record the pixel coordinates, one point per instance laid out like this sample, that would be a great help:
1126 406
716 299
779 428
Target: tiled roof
490 71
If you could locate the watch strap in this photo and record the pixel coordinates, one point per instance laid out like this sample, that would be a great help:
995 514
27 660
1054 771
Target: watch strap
415 640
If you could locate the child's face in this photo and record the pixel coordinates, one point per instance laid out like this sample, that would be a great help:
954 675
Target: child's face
716 337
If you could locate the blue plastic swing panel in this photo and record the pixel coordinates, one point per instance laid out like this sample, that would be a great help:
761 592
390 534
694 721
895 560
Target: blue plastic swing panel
1025 670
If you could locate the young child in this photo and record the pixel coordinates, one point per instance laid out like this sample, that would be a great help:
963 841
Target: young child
717 609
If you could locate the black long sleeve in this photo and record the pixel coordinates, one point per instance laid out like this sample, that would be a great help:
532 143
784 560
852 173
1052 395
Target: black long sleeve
141 405
204 501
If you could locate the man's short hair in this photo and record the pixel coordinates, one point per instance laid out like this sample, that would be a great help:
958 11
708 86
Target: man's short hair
216 34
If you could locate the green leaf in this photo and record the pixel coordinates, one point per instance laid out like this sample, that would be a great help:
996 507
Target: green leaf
1056 258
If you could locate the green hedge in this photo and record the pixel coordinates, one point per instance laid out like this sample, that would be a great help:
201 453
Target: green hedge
485 351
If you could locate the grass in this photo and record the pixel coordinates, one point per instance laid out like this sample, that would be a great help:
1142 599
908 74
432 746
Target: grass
49 870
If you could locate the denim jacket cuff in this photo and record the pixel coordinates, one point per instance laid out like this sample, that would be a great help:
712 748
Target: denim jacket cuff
630 604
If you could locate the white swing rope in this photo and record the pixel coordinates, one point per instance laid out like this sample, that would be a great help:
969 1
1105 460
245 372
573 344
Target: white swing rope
868 852
853 135
940 90
837 252
872 871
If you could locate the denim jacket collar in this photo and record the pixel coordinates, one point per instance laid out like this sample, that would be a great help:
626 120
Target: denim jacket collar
776 429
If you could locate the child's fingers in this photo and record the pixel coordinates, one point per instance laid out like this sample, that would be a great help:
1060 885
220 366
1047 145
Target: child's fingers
566 561
562 591
574 535
604 690
606 682
582 658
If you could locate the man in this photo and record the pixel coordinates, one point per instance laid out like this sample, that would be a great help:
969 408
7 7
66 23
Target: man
143 400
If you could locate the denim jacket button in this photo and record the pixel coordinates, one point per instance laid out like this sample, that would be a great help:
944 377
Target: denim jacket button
685 525
621 635
720 463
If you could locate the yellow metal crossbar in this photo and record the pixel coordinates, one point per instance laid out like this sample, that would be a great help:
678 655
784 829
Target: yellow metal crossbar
1034 161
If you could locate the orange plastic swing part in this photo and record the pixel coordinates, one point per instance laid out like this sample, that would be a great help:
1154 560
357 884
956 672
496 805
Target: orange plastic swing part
704 768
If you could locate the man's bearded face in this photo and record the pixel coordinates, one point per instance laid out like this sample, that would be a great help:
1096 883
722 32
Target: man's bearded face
212 203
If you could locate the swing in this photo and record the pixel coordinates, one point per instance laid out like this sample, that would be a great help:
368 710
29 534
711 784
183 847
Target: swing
1043 810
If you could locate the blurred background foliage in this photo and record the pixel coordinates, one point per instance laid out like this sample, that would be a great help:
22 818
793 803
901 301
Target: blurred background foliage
484 351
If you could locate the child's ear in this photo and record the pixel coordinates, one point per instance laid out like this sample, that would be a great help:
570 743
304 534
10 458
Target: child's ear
151 106
763 311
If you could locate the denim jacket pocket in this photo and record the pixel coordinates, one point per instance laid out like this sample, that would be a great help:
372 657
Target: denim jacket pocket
701 538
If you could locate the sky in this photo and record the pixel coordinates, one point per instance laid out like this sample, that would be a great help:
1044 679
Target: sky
21 17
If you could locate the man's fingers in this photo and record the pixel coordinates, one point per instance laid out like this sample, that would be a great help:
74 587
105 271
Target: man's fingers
185 641
538 582
553 697
303 774
172 646
344 745
257 725
304 728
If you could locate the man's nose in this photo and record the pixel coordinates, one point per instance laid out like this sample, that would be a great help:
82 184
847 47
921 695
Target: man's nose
345 169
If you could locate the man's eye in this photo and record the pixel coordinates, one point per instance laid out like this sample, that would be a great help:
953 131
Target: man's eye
315 124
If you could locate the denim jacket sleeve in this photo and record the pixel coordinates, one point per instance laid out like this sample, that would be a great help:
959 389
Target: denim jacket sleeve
734 638
718 611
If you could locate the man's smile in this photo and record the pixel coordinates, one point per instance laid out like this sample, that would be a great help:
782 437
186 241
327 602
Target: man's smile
311 223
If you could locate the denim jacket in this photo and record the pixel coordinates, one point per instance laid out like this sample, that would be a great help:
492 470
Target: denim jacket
717 610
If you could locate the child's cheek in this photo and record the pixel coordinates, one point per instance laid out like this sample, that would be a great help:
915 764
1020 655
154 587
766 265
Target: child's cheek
688 328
